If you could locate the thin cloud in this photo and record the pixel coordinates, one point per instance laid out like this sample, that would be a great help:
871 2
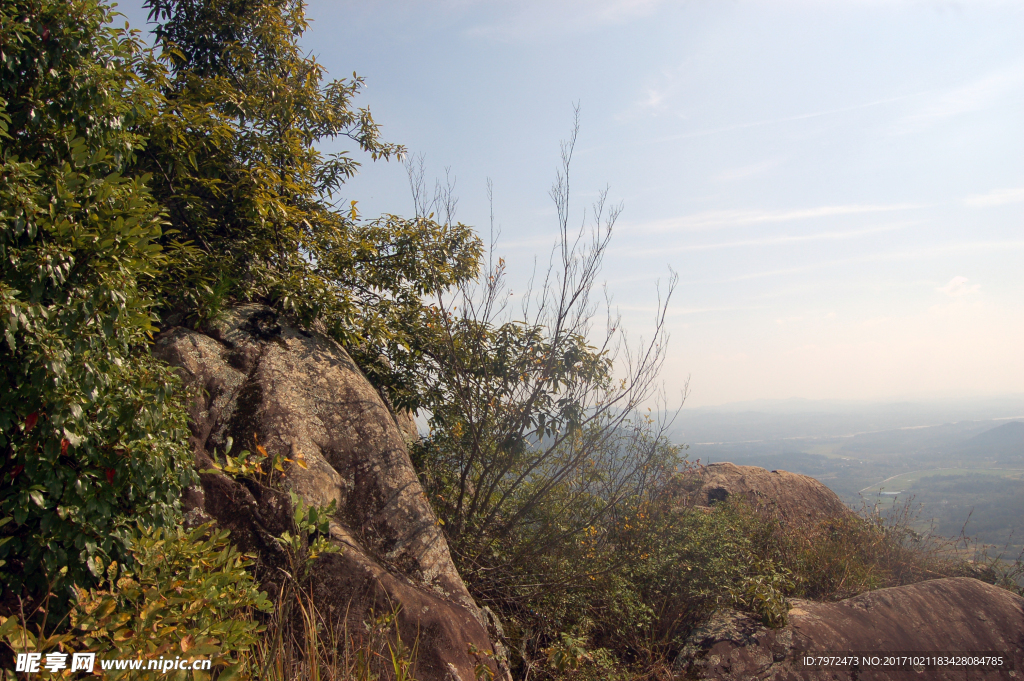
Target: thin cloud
976 96
529 20
996 197
685 311
747 171
957 287
774 240
878 257
776 121
654 101
658 93
719 219
542 243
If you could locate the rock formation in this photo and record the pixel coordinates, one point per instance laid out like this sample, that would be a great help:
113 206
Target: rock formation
796 498
953 615
300 396
254 379
948 616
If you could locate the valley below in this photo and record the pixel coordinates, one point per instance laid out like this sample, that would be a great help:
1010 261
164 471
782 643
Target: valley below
952 469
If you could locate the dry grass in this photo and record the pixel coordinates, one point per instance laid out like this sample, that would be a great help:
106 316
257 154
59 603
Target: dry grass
301 643
841 557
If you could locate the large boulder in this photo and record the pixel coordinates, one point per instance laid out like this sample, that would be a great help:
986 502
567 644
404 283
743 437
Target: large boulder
797 499
942 617
299 395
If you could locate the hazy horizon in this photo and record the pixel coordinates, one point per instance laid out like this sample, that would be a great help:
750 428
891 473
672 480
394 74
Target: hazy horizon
840 185
794 403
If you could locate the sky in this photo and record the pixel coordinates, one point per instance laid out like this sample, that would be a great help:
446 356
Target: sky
839 184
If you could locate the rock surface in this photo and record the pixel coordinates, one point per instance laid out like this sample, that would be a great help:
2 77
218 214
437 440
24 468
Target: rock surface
958 615
796 498
299 395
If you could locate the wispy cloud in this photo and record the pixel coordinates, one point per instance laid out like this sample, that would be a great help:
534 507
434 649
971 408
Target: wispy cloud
685 311
719 219
780 240
654 101
957 287
747 171
518 21
976 96
923 254
996 197
658 91
668 87
540 244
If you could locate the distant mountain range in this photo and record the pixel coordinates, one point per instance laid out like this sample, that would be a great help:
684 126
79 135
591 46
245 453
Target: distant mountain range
978 446
798 419
1003 443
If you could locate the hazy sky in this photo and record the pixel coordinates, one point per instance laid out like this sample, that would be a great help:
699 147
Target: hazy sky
839 184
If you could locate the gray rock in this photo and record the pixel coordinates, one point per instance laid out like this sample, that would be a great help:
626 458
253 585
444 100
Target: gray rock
796 498
300 395
958 615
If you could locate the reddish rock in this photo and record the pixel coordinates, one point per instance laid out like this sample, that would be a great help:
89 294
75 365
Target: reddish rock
795 498
948 616
300 395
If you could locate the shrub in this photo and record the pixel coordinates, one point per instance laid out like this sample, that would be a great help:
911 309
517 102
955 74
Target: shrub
840 557
90 434
188 594
636 585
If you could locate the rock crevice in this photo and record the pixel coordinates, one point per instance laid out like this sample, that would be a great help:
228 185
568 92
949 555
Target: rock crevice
255 379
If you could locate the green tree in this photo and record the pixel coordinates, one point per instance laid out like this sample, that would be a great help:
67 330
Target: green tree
234 154
90 436
128 171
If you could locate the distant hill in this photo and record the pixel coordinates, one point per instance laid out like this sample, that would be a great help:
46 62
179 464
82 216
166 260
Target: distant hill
1004 443
881 428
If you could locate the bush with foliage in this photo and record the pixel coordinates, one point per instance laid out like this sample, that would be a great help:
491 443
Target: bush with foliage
90 434
233 153
640 582
841 557
622 599
534 434
126 171
188 594
555 488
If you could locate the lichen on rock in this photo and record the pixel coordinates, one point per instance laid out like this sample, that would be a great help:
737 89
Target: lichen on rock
300 395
